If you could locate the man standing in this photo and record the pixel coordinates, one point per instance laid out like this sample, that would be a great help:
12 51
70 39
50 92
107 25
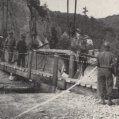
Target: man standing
105 63
22 49
10 44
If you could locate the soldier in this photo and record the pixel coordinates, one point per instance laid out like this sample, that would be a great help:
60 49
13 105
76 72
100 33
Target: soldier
10 44
83 50
105 63
22 49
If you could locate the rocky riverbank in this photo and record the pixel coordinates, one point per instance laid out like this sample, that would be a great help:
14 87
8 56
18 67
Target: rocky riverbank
68 106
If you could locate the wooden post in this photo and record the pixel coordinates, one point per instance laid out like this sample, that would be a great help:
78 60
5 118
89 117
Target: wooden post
36 60
55 72
71 66
30 64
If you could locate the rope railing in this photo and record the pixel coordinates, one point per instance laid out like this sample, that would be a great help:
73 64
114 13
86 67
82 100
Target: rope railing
45 62
47 52
62 56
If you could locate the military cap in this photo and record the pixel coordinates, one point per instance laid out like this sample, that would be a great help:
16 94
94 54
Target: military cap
106 44
23 36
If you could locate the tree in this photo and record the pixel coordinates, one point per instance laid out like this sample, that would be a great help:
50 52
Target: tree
64 41
54 38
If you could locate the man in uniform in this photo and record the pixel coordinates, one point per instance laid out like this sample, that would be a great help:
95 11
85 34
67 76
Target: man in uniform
105 63
83 59
10 44
22 49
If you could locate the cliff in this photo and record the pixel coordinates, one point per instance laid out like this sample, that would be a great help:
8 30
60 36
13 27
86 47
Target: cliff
16 16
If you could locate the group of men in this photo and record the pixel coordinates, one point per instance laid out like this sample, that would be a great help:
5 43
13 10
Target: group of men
80 44
11 46
105 62
108 67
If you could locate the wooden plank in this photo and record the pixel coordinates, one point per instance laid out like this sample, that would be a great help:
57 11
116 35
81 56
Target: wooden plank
20 73
88 86
67 52
94 87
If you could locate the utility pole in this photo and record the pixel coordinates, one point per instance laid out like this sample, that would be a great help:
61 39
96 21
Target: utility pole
68 16
85 18
3 15
7 15
75 16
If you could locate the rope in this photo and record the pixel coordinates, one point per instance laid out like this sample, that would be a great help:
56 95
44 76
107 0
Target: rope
50 55
55 97
12 52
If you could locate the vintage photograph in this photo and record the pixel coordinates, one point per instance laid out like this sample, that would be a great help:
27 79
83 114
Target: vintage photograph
59 59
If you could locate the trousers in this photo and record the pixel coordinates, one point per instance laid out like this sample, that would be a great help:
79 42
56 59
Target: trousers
105 82
10 57
21 60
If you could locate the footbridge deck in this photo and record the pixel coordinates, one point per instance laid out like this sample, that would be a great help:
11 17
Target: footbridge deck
45 65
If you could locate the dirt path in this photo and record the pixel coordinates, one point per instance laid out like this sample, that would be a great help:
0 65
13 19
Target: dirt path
69 106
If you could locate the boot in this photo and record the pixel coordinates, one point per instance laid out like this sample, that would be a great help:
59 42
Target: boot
110 102
102 101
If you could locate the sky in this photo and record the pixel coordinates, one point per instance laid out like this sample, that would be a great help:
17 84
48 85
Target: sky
96 8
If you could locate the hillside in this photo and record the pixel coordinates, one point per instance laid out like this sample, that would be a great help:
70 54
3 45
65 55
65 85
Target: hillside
99 30
112 21
19 19
96 29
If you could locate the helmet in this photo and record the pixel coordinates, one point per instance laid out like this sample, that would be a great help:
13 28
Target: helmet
106 45
1 37
23 36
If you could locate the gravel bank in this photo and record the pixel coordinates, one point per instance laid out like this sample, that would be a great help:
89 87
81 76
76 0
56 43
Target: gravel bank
69 106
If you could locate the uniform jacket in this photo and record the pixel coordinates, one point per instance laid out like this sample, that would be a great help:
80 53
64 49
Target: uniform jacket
106 61
21 46
10 43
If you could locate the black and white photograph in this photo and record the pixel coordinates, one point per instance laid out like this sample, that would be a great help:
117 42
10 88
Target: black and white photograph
59 59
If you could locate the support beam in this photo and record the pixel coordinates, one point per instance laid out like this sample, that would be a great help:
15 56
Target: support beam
36 61
30 57
55 72
71 66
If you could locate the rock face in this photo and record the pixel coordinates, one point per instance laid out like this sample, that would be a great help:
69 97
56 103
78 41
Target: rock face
18 19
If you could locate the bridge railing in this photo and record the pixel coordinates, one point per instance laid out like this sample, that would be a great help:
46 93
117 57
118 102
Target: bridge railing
43 60
49 61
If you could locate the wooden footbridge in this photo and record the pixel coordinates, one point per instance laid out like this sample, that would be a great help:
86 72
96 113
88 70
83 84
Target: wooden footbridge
44 66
